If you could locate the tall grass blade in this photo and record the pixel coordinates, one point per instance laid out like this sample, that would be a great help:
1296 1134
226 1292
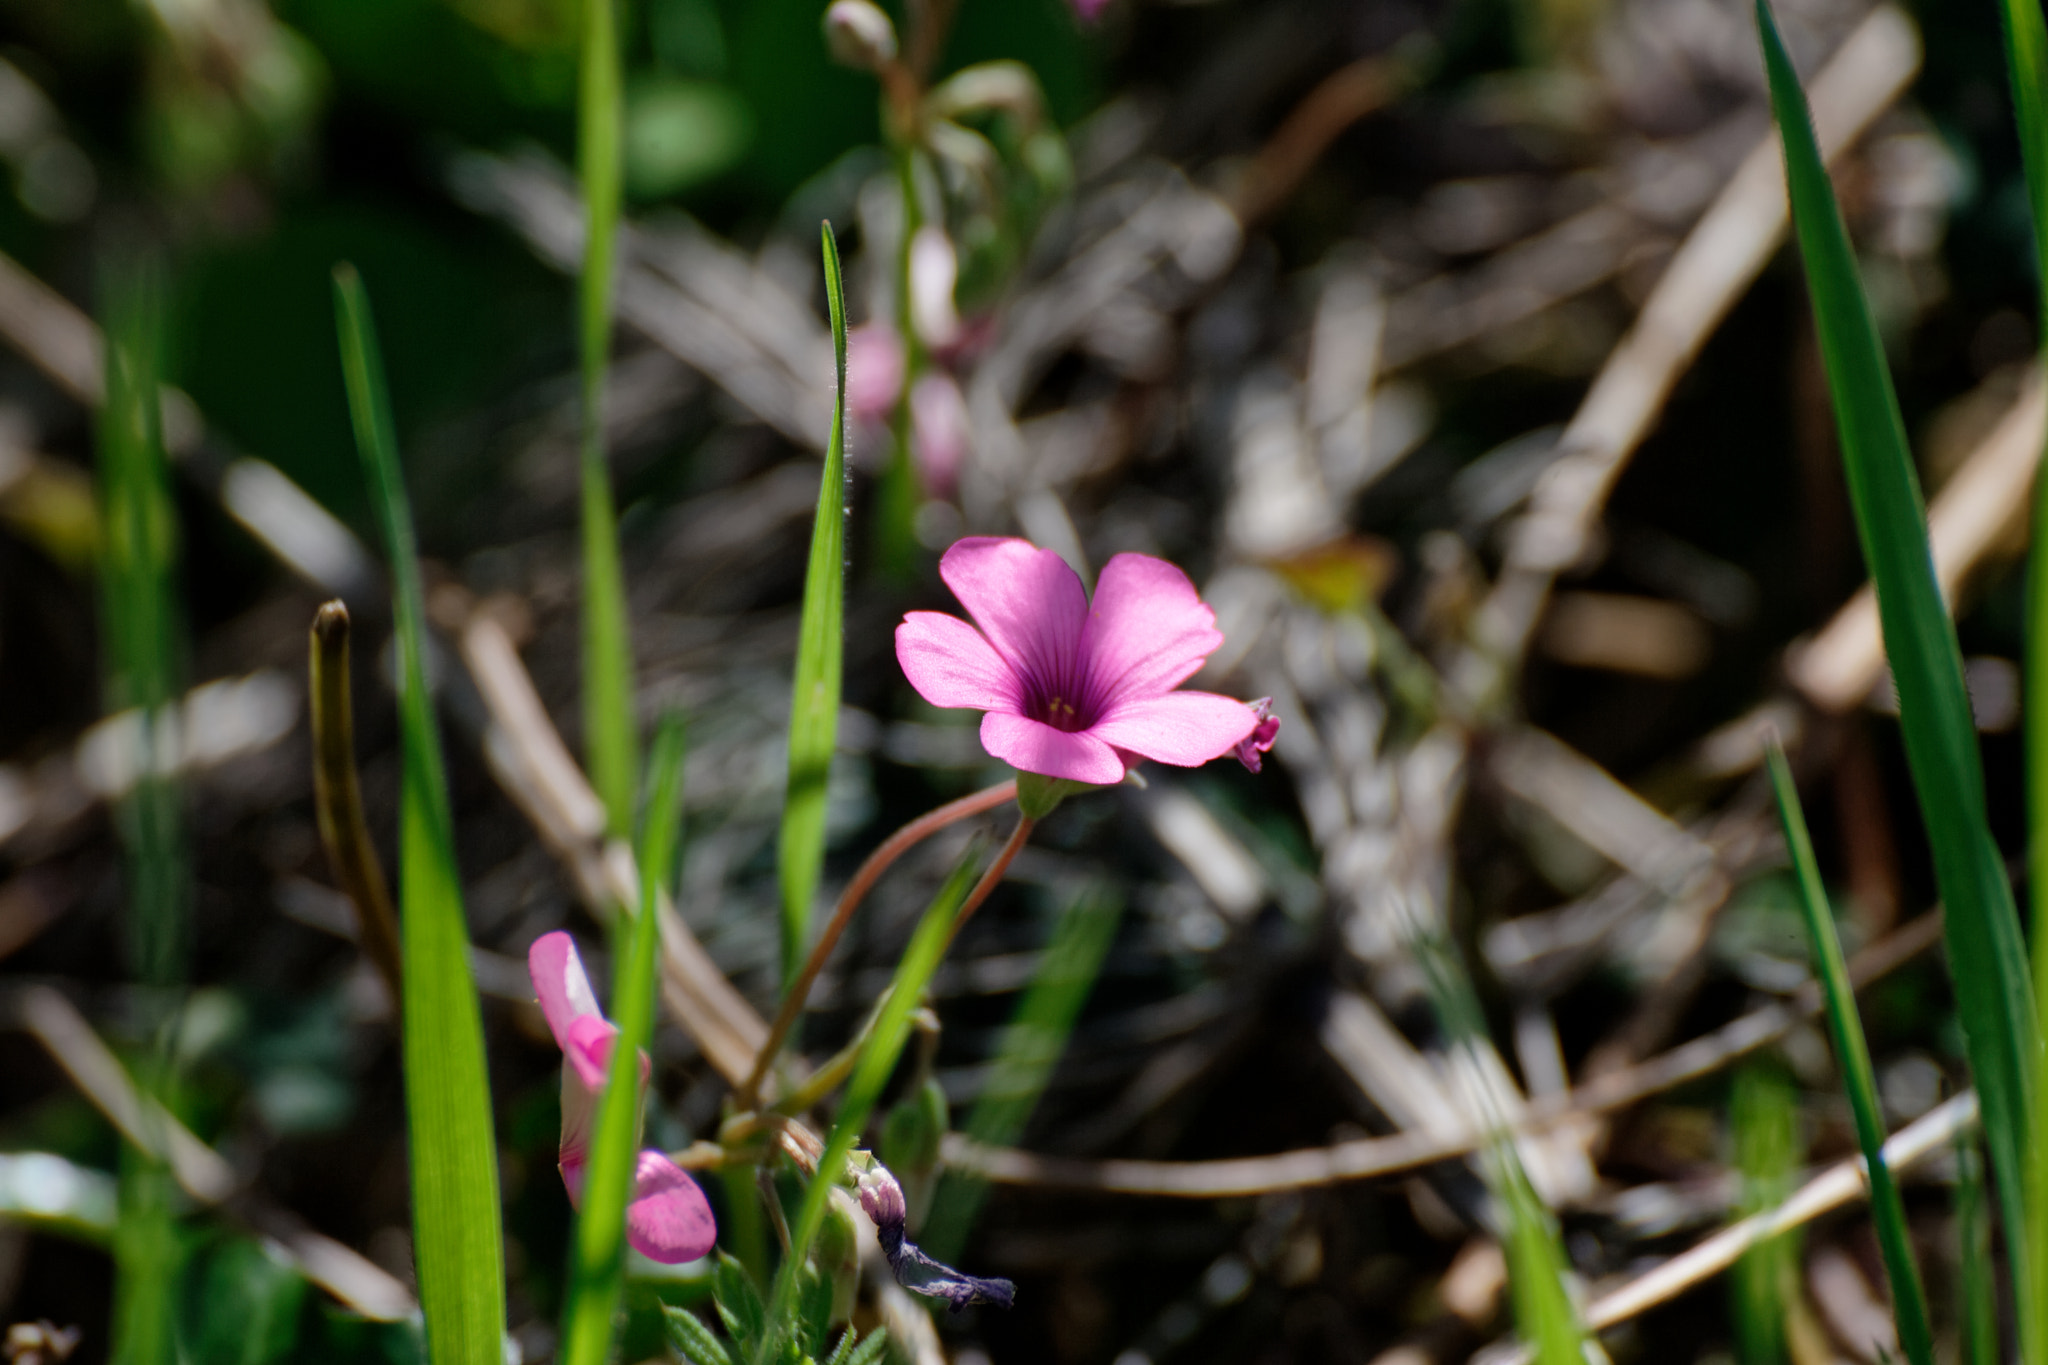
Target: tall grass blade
1545 1317
1764 1116
1987 956
458 1249
1887 1210
597 1265
140 634
870 1073
2026 52
1029 1050
820 651
609 733
1976 1287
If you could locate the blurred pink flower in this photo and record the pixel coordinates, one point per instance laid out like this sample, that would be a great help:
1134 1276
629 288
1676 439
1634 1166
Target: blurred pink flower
939 431
1090 10
874 371
667 1219
1072 690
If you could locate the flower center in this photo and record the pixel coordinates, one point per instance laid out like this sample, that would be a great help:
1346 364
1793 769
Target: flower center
1061 714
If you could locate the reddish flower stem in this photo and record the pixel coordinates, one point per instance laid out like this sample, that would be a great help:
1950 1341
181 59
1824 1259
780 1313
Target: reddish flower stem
878 862
994 874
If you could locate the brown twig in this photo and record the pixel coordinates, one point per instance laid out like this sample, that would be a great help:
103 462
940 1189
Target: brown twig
864 879
338 797
1367 1158
1343 97
1725 251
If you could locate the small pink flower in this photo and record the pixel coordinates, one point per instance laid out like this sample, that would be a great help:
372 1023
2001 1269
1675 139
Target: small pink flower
1072 690
667 1219
1260 740
939 431
874 371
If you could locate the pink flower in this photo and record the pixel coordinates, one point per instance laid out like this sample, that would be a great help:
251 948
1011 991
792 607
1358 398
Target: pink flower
874 371
1072 690
667 1219
1260 740
939 431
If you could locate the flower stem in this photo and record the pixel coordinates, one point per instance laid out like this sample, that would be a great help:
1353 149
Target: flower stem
878 862
995 872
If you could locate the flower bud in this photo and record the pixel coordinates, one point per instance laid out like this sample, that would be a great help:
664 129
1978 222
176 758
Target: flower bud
859 35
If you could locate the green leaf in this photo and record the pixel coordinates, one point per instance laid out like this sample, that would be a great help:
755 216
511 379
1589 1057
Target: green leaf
739 1305
1544 1315
813 1309
692 1340
609 732
870 1073
1029 1050
1986 954
821 646
458 1248
1887 1210
147 1254
870 1348
597 1260
247 1309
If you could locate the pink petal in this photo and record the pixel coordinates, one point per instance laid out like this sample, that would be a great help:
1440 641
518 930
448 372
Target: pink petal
1029 604
588 1048
560 982
1147 632
950 664
668 1220
1182 728
1035 747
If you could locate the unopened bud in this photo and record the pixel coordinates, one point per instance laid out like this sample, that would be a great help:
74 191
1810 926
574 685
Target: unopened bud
859 35
881 1198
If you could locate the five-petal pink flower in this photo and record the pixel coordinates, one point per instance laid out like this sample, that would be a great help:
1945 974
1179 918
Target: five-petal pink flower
667 1219
1073 689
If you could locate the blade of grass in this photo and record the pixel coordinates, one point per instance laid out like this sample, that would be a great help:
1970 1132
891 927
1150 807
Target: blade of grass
864 1087
2026 52
597 1262
1025 1058
458 1248
814 700
1976 1291
140 630
1545 1317
608 726
1887 1210
1987 956
1765 1283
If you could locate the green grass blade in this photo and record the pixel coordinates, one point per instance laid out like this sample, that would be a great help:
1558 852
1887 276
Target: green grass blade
814 701
1025 1058
2026 52
140 625
1987 956
609 732
1764 1116
1976 1290
1887 1210
597 1261
139 649
864 1087
458 1248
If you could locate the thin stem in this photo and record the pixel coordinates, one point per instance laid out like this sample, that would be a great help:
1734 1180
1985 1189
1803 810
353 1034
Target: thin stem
994 874
878 862
338 800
